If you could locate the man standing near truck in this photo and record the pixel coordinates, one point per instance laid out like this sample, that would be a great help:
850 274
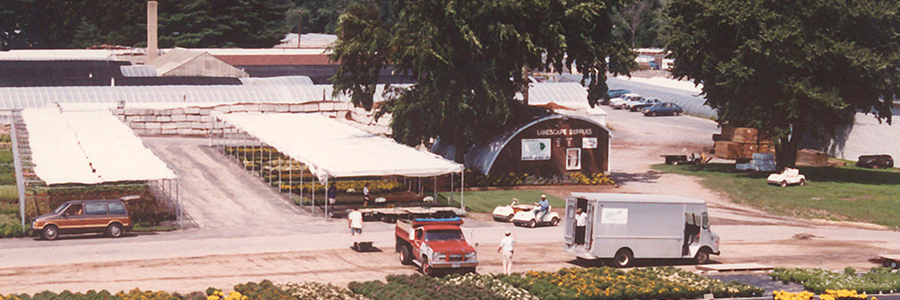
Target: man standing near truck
506 251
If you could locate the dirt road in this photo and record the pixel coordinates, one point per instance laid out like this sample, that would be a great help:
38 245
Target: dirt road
245 231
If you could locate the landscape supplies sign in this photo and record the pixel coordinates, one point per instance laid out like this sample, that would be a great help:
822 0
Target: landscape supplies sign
535 149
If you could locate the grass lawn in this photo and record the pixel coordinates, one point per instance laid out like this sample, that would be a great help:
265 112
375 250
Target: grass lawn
833 193
486 201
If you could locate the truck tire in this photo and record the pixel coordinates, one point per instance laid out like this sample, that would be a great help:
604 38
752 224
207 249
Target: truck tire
702 256
427 269
623 259
405 255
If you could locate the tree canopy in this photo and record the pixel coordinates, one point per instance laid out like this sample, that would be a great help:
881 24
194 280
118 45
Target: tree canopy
59 24
470 58
794 68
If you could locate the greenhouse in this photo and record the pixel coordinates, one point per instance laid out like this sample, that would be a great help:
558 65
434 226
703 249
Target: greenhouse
328 150
76 150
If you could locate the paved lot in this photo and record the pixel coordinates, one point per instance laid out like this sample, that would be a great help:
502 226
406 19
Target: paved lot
247 232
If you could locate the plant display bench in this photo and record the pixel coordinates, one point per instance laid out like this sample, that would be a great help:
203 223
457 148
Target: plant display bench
362 243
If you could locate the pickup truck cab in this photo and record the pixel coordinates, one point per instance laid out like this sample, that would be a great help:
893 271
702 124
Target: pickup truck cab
435 245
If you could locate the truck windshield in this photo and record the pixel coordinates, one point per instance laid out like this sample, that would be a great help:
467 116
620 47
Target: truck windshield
443 235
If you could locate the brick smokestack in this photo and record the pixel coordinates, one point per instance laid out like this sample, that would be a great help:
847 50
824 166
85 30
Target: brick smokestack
152 47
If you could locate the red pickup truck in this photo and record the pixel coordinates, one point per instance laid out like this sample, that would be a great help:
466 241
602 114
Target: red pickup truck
435 245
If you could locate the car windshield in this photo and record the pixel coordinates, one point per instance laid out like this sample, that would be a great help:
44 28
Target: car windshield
443 235
60 208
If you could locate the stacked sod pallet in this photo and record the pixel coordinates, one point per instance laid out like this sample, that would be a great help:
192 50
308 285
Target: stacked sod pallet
739 143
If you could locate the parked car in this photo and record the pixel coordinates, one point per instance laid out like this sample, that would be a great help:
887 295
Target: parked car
638 106
618 103
882 161
789 176
84 216
613 94
665 108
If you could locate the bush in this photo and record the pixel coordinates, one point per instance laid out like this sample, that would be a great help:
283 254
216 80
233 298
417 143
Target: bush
11 230
264 290
9 194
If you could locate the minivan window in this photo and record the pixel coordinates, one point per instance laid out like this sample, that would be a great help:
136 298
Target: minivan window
116 208
60 208
95 208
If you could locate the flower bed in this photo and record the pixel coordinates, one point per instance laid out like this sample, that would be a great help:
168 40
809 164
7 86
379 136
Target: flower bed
877 280
640 283
567 283
828 295
512 179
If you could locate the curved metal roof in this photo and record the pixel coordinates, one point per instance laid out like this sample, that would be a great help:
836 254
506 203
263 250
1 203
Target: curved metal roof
482 155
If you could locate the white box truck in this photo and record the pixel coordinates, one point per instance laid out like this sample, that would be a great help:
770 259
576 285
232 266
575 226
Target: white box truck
629 226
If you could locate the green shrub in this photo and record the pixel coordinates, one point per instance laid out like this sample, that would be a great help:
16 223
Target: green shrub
263 290
11 230
9 193
6 156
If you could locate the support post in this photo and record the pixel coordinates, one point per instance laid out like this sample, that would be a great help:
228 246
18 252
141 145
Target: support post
462 184
17 162
326 198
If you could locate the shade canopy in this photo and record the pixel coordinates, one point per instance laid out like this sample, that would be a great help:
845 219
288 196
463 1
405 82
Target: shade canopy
332 149
88 147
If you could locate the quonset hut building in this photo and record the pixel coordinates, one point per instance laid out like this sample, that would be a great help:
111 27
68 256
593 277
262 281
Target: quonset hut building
547 145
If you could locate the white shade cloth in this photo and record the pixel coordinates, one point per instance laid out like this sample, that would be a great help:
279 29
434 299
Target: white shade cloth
88 147
333 149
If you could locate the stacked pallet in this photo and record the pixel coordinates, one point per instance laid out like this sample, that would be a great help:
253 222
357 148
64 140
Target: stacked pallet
196 120
742 142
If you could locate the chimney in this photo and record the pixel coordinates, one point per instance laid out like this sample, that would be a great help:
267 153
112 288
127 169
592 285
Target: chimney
152 48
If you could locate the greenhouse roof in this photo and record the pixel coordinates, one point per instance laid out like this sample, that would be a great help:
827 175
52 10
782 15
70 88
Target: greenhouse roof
332 149
37 97
88 147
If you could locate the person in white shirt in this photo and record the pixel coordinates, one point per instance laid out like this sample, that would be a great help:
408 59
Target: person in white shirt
355 222
506 251
580 223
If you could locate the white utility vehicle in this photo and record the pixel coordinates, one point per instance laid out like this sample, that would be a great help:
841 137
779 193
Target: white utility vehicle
505 213
530 217
789 176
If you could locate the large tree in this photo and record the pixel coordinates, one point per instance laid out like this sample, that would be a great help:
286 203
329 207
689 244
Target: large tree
794 68
469 58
